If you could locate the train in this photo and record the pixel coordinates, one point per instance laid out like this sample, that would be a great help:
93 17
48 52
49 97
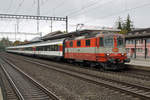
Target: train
105 50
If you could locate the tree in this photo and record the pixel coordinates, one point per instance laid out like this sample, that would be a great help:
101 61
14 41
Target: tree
119 24
16 43
128 23
125 26
4 43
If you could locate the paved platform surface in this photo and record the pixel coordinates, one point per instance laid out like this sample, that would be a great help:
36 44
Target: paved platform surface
1 96
140 62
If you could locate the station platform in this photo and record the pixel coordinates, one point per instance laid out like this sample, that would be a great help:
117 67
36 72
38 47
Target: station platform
140 63
1 96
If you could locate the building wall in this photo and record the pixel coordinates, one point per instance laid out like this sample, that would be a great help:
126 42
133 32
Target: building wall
140 48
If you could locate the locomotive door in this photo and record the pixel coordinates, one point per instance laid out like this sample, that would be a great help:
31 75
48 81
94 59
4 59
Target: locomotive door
99 51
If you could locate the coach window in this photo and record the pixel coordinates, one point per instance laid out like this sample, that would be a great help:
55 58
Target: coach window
52 47
30 49
78 43
101 44
71 44
56 48
40 48
87 42
47 48
44 48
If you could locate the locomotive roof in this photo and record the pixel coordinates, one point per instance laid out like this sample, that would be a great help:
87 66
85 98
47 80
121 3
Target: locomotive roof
94 34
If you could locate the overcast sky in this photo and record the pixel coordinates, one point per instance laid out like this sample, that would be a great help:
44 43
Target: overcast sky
92 13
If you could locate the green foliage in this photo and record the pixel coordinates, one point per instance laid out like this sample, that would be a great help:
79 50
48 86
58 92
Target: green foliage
16 43
128 24
125 26
4 43
119 24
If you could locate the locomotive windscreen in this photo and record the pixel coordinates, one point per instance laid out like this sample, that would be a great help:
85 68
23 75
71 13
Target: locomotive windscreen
108 42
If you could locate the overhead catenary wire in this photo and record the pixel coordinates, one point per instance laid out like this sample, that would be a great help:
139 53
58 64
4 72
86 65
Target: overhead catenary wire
85 8
19 6
53 9
120 12
9 5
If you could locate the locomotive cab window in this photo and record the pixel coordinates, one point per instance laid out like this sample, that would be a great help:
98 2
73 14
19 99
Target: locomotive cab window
78 43
109 41
87 42
101 42
71 44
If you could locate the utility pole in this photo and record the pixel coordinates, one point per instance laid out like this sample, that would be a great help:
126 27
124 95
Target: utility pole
17 26
15 31
66 24
38 14
51 26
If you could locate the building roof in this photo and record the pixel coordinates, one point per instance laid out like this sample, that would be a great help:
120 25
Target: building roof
141 30
53 34
59 34
139 33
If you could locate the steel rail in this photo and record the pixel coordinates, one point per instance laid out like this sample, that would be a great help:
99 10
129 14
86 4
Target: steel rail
49 93
74 73
20 96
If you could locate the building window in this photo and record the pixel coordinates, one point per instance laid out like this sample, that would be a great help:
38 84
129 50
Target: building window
87 42
132 41
141 41
127 50
148 40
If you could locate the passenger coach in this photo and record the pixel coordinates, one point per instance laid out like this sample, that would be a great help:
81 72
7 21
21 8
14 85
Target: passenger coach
46 49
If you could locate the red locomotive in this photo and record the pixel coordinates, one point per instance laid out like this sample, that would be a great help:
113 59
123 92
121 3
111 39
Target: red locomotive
107 50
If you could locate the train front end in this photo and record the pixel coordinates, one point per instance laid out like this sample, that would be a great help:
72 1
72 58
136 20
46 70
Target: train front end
114 52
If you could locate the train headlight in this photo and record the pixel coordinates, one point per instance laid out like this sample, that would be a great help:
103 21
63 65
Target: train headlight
124 54
107 54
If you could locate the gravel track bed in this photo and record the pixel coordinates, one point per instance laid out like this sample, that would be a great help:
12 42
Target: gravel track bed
26 87
129 77
10 94
68 87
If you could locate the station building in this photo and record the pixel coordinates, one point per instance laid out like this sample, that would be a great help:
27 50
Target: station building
138 43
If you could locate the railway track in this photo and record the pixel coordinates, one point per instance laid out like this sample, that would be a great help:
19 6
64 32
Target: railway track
138 74
25 87
134 73
8 91
124 87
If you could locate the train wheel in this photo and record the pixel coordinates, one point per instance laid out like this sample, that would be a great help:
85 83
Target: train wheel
104 66
85 64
